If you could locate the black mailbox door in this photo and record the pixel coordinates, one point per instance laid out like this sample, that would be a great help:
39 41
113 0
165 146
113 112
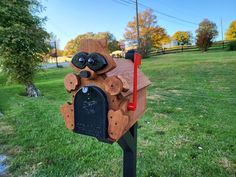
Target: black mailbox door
90 110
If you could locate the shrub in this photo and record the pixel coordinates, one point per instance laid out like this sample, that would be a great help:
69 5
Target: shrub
232 45
206 32
22 41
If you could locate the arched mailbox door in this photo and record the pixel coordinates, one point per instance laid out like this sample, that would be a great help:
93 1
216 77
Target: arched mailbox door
90 108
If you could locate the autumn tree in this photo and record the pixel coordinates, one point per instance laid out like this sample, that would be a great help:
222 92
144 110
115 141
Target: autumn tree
206 33
160 37
231 31
60 52
73 45
113 44
22 41
182 37
151 34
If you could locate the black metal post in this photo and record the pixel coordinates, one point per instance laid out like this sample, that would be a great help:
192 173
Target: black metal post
129 145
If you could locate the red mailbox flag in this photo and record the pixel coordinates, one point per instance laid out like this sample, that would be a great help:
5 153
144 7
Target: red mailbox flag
137 62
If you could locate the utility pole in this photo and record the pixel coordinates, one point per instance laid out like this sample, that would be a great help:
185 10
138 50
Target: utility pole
137 22
55 45
222 33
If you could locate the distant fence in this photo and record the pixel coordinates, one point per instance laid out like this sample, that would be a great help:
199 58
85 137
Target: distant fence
178 49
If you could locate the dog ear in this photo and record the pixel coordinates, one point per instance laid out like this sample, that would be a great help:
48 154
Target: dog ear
104 43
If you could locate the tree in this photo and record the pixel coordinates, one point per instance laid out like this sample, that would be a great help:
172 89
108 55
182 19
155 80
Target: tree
60 52
73 45
206 33
182 37
159 37
151 34
71 48
165 40
113 44
231 32
22 41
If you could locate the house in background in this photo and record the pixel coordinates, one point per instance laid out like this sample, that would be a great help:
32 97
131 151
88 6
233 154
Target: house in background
173 43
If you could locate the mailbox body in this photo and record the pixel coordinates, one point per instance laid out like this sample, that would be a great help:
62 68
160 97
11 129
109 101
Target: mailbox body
99 103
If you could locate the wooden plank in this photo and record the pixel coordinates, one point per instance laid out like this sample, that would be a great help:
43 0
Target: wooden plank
125 70
141 107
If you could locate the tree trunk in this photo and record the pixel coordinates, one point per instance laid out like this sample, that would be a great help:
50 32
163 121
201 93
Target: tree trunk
32 91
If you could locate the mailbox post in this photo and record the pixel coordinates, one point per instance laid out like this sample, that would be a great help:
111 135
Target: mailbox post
128 143
108 98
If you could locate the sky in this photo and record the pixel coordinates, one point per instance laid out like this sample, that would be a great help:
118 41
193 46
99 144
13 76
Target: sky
70 18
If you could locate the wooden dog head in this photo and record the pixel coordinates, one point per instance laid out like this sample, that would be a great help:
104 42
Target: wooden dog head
92 58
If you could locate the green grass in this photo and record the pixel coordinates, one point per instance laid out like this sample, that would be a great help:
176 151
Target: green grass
189 128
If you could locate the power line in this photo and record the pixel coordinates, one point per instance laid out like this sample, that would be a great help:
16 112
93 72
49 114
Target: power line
123 3
171 20
170 16
129 3
132 2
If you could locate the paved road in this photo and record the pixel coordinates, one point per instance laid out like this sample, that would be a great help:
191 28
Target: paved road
53 65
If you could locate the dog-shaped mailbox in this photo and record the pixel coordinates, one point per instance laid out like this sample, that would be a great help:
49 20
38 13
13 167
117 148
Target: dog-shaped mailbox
107 99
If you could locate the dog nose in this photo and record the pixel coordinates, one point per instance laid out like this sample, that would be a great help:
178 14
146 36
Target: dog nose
84 74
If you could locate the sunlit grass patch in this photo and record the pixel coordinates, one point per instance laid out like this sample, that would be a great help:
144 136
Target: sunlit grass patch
189 128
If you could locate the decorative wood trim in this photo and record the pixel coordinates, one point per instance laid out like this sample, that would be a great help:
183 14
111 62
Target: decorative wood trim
67 110
71 82
113 85
117 124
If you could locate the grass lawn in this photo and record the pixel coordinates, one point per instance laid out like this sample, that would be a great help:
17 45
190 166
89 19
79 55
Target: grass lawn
189 128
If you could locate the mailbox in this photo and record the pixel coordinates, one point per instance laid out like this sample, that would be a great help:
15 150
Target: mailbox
108 95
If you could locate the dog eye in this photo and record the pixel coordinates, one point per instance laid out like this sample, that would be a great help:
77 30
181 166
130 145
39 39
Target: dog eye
91 61
96 62
82 60
79 60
